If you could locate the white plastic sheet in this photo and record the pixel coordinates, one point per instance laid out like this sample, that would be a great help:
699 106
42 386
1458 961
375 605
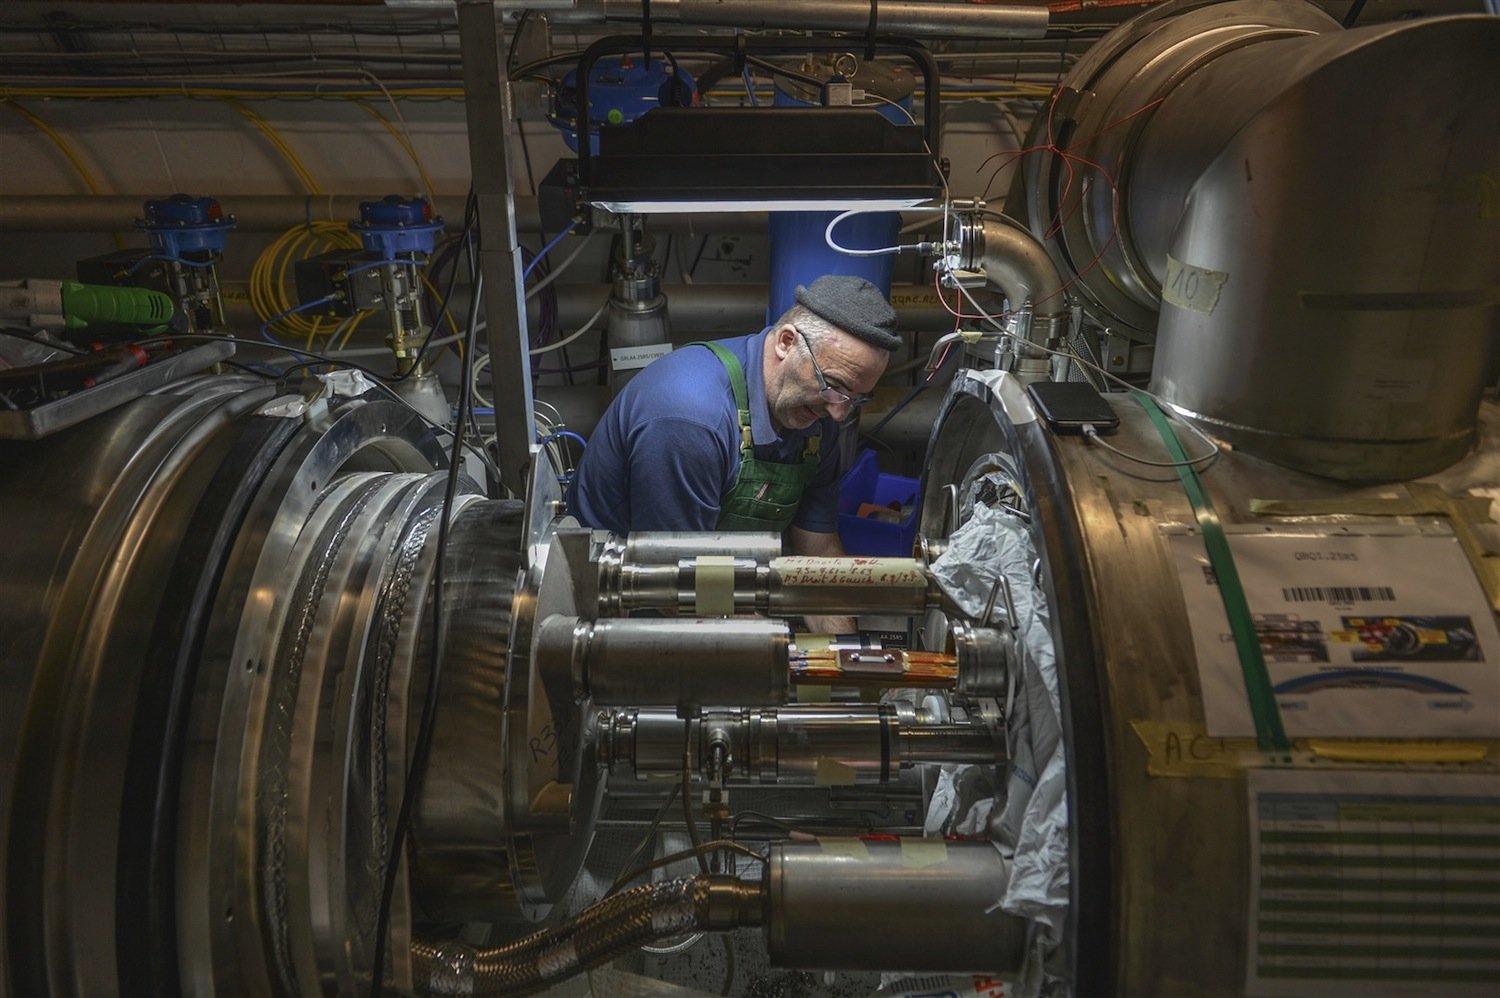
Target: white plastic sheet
1032 827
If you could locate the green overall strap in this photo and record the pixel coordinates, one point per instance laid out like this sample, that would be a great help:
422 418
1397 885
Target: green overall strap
766 494
741 394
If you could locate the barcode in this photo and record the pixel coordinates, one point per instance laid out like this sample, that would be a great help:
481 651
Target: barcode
1337 594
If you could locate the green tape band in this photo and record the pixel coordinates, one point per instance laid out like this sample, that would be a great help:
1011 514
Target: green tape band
1269 733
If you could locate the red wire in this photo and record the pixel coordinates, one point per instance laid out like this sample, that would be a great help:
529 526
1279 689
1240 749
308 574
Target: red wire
1065 211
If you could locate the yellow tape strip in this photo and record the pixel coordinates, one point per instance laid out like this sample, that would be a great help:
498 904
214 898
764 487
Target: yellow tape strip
713 585
1398 751
1185 749
919 853
833 773
853 848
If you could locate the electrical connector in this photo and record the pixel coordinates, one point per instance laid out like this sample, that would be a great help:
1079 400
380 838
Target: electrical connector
838 92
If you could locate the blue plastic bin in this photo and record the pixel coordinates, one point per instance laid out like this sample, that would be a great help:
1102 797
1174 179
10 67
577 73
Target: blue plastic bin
864 483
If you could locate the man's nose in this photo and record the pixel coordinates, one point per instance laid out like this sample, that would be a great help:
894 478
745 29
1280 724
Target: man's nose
840 411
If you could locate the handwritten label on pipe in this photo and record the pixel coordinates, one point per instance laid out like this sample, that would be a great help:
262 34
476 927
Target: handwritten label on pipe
809 571
1193 288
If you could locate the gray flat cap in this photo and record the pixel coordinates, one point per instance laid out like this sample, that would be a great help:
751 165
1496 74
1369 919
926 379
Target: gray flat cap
854 305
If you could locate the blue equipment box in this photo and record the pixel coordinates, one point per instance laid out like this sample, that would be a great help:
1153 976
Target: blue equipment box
864 484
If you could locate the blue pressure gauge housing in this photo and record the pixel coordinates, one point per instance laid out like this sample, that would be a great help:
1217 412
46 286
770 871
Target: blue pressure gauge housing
182 224
395 225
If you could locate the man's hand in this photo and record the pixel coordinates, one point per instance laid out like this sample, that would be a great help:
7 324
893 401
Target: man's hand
820 545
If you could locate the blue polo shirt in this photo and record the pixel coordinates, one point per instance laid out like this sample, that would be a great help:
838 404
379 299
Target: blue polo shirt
667 449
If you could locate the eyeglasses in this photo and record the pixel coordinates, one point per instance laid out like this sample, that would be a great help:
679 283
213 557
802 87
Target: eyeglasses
830 392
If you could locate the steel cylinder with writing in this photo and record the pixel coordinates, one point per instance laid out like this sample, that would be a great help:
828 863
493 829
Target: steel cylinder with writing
803 585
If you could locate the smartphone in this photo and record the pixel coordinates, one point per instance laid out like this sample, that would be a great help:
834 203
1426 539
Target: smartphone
1069 406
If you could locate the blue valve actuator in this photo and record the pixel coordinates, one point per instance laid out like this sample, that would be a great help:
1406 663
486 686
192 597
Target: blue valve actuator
395 225
182 224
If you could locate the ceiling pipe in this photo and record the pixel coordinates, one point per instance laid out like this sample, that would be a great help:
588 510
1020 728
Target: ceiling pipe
696 309
894 17
279 212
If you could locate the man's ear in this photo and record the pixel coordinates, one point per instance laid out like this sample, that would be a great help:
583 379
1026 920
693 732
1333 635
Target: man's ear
785 340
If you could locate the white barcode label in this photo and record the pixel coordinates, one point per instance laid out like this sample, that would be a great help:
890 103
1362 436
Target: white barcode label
1338 594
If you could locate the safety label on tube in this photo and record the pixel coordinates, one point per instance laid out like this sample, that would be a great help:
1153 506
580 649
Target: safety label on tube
1373 884
630 358
1384 635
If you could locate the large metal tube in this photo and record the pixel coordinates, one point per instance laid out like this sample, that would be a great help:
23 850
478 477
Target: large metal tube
726 308
912 905
903 17
797 745
676 662
1319 277
1355 345
652 563
787 586
582 405
804 585
1016 262
697 310
279 212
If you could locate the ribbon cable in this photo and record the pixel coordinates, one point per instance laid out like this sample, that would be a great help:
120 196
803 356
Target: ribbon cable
1269 733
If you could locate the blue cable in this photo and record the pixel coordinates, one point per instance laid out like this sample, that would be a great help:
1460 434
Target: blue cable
545 250
167 259
370 264
265 327
568 434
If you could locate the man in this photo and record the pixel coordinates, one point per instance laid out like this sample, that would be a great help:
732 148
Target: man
742 435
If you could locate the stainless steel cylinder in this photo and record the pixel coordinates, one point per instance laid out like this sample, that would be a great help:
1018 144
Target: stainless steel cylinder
959 744
741 581
957 20
668 547
679 662
985 658
1343 330
661 570
1317 276
912 905
804 585
802 744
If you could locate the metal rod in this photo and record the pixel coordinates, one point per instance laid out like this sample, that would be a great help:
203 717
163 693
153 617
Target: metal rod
951 20
486 104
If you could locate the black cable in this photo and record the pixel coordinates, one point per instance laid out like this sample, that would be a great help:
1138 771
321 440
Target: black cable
1355 9
422 744
471 218
510 51
692 271
510 58
728 965
23 335
526 156
918 390
687 798
646 840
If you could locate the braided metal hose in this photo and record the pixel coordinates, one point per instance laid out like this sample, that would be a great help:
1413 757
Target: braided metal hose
597 935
